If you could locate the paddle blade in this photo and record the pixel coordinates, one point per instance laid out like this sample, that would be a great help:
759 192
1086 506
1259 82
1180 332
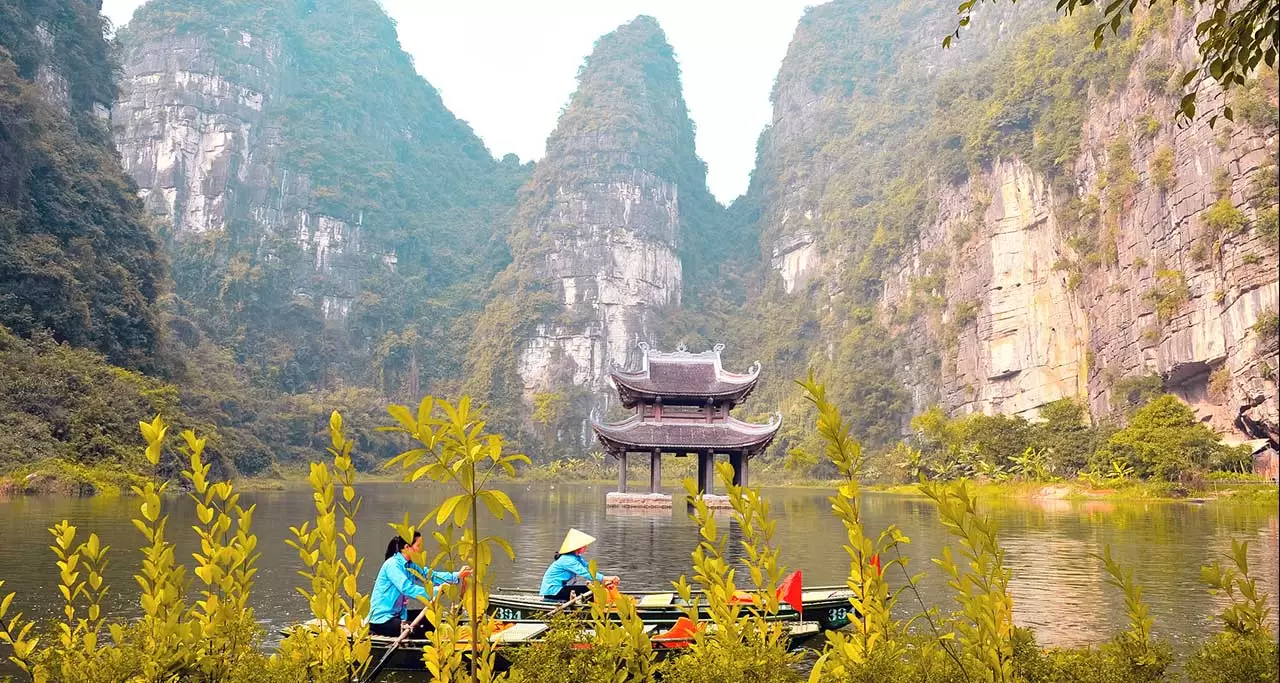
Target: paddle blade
791 590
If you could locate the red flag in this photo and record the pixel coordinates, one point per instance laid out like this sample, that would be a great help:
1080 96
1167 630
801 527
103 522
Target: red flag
875 562
791 591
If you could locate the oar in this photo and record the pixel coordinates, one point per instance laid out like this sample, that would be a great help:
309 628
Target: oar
577 598
377 669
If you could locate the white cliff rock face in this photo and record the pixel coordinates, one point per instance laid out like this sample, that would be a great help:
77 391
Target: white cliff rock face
798 159
614 258
796 259
1017 335
194 132
1033 339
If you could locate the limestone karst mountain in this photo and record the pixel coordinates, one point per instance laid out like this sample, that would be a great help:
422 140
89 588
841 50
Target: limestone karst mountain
329 217
603 229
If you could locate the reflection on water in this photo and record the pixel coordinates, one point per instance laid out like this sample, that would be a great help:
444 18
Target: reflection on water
1057 584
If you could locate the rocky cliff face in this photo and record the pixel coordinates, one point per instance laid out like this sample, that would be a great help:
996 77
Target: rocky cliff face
1182 269
1018 251
855 82
319 200
604 218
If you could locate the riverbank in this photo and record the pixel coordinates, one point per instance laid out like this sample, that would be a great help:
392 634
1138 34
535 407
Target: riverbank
1246 491
61 478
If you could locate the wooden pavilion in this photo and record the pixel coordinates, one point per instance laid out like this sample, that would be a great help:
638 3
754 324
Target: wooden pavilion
682 402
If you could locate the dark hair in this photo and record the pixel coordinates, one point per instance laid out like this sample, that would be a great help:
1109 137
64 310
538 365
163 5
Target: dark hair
398 543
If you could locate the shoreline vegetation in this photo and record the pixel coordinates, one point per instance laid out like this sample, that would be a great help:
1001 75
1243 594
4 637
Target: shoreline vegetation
198 624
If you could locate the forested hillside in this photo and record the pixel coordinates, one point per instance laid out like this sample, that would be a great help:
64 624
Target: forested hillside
79 263
1015 229
77 257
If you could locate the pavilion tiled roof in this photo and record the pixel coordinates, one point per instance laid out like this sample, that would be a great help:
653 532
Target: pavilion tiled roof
683 377
636 434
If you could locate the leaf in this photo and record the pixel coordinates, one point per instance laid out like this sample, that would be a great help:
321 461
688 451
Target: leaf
446 509
406 419
491 502
507 503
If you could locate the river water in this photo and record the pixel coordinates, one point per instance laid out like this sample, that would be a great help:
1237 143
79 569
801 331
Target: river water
1058 586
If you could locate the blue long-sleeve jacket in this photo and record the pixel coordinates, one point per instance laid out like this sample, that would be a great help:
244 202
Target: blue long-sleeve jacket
563 570
396 585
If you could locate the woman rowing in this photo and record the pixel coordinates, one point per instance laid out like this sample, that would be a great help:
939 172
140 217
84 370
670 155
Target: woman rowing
569 572
400 579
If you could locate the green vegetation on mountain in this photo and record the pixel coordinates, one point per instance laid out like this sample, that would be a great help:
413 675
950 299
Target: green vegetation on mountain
1233 39
243 333
241 347
1160 439
382 154
626 122
77 257
889 136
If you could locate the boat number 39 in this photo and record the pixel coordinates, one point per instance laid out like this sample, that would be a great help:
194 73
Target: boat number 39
838 615
508 614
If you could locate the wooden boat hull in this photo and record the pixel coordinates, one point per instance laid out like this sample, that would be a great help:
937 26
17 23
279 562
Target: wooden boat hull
408 657
827 605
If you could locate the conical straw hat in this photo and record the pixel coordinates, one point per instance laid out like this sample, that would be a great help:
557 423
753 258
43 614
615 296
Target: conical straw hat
574 540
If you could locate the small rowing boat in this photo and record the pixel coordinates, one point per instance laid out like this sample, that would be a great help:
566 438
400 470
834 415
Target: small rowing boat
828 606
509 637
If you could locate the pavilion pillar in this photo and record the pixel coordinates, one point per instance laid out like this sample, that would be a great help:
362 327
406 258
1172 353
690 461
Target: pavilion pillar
622 472
702 471
740 472
736 460
655 471
709 474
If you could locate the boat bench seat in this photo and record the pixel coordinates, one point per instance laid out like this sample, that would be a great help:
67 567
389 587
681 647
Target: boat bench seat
519 632
656 600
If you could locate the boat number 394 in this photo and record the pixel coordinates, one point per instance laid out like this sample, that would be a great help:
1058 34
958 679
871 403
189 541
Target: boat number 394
838 615
508 614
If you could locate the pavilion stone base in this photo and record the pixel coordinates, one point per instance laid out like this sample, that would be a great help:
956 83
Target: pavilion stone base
716 502
617 499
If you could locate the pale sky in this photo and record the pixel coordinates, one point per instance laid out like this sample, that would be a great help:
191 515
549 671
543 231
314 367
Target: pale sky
508 66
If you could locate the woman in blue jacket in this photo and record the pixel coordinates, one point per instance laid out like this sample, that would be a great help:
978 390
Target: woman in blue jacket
398 581
569 573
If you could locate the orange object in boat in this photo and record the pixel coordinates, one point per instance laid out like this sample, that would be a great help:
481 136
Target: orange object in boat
680 634
741 598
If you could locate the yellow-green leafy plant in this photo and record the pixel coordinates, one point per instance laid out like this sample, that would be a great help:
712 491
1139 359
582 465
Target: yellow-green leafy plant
1247 611
984 626
1245 649
16 633
80 580
454 449
875 644
162 633
872 603
741 642
1139 657
336 647
618 631
226 633
609 644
